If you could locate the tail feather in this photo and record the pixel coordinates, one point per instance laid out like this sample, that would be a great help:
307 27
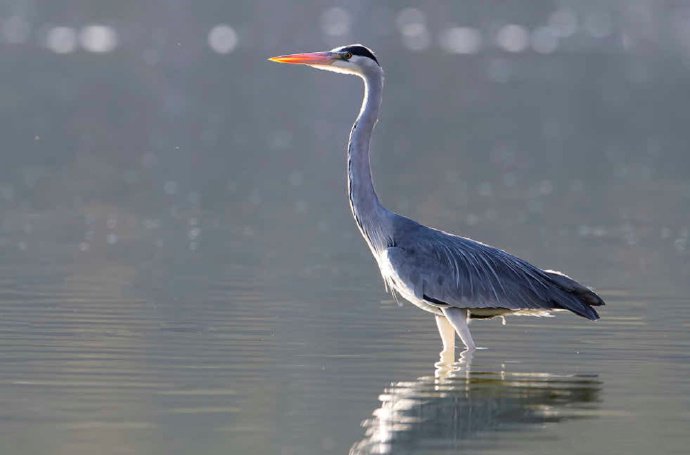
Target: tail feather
583 296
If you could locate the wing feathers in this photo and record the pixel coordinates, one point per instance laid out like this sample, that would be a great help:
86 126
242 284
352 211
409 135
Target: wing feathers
445 269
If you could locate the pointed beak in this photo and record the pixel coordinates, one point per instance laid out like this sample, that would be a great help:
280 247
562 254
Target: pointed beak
314 58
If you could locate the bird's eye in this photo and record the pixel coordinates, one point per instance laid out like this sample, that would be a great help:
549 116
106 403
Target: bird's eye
347 55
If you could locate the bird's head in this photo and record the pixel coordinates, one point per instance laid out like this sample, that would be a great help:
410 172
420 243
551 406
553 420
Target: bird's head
353 59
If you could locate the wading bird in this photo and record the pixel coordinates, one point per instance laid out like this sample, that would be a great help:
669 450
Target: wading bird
453 277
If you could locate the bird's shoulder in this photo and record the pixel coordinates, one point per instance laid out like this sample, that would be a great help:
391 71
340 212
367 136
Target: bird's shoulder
416 240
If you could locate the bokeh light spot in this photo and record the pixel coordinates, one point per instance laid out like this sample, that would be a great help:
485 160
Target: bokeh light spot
512 38
461 40
61 40
98 38
411 23
335 22
222 39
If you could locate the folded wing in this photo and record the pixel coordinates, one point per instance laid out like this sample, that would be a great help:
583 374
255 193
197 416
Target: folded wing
445 269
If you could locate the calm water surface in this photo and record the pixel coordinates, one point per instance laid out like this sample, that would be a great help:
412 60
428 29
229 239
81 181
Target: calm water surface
214 352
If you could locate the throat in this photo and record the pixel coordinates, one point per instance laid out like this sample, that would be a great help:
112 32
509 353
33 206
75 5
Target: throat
364 201
367 210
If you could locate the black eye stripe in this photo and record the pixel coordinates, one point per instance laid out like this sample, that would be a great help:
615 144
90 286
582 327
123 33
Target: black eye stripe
360 51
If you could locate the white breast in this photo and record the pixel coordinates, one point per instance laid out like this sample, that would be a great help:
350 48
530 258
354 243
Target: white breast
396 284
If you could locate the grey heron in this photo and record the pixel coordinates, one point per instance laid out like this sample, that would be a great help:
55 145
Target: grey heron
453 277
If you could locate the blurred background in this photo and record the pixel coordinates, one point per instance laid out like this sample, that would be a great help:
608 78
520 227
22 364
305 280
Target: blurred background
178 265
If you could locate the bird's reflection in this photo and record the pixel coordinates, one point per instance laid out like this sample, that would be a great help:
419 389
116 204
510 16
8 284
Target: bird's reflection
457 405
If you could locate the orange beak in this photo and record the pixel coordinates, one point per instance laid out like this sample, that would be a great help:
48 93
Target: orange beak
314 58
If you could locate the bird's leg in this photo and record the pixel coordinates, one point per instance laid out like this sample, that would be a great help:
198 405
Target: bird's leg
445 329
458 317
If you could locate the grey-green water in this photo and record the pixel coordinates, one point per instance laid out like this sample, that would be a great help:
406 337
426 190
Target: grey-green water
206 352
179 271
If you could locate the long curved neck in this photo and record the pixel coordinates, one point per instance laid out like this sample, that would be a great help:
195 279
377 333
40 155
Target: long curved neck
370 215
